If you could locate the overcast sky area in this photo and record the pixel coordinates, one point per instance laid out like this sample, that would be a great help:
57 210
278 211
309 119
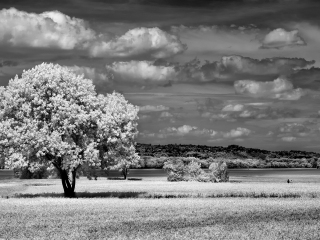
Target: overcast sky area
244 72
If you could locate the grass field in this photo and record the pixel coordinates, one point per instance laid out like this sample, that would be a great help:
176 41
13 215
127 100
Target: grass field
157 209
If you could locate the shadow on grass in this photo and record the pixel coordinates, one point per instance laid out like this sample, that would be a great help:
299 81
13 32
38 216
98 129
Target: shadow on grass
120 178
134 179
115 178
165 195
38 184
84 195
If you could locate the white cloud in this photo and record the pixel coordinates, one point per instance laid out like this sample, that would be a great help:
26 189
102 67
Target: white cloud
54 29
186 130
139 41
238 132
144 117
245 65
280 88
138 71
91 73
288 139
279 38
48 30
230 68
292 127
259 104
180 131
295 94
150 108
166 115
233 108
209 133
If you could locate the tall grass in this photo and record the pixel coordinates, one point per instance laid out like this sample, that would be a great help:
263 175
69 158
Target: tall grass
231 218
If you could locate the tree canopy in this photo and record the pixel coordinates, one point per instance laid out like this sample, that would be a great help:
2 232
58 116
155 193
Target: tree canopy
52 116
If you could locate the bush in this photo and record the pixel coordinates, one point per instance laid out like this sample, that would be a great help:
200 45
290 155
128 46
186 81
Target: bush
174 177
219 172
24 173
189 169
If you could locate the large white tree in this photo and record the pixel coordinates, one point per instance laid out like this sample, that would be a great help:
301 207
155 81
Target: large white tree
51 116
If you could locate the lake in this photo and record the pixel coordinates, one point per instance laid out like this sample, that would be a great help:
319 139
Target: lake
242 175
232 172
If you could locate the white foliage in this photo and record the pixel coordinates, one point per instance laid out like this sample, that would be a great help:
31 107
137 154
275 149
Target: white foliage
51 115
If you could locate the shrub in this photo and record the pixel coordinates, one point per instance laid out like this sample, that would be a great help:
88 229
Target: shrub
25 173
189 169
219 172
174 177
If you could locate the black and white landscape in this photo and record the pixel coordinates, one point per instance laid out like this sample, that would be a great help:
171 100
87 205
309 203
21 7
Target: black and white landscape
159 119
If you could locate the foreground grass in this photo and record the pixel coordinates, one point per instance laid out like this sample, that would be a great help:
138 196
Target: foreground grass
236 218
157 209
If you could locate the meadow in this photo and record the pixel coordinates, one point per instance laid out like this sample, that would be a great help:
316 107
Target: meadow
248 207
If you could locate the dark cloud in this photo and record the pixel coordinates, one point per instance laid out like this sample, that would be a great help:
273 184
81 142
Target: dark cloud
8 63
163 13
231 68
307 78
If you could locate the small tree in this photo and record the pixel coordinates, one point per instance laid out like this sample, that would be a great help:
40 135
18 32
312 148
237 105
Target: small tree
52 116
122 159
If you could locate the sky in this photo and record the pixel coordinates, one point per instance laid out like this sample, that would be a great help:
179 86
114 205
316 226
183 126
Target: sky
205 72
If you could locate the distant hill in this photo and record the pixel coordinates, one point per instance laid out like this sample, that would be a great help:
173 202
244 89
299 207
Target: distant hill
203 152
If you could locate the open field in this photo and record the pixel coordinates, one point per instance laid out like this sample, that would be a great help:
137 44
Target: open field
153 208
225 218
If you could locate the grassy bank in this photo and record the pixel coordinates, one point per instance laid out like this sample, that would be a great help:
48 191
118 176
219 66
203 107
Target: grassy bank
158 189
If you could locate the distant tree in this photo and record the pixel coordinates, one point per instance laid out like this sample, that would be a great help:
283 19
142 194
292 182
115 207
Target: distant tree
123 160
52 116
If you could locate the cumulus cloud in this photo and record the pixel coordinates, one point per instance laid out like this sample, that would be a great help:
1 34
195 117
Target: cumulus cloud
233 108
91 73
288 139
280 88
141 71
151 108
187 130
46 30
229 68
53 29
233 67
166 115
293 128
280 38
139 41
298 131
183 130
252 112
238 132
246 65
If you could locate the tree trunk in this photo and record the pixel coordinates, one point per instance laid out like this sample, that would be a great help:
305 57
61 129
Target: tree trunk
68 184
125 173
